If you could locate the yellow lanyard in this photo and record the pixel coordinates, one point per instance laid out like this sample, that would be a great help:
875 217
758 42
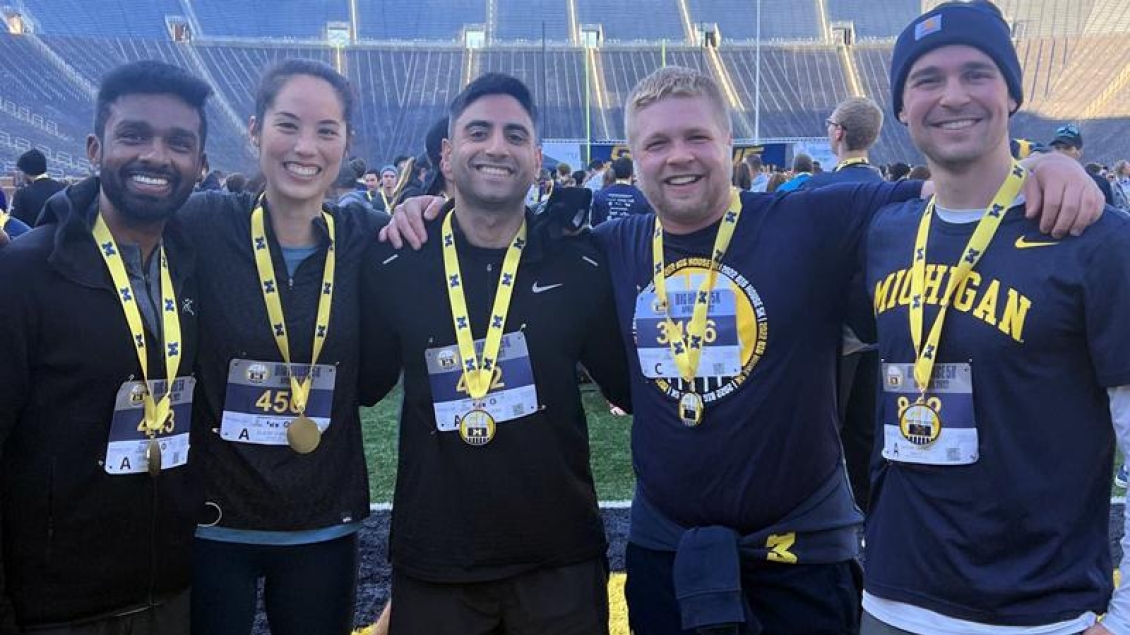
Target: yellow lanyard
4 218
687 347
478 374
971 255
846 162
157 413
384 199
300 390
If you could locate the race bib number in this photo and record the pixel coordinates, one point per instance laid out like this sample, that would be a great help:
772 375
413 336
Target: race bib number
940 430
721 351
258 405
512 393
125 451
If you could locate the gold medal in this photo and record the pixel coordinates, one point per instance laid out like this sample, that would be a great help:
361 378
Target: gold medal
690 409
920 422
303 435
477 427
153 456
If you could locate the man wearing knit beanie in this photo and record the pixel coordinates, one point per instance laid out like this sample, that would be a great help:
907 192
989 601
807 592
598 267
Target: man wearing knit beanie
1005 377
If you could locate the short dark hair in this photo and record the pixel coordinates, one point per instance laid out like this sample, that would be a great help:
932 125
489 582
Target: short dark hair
235 183
802 163
596 164
32 163
492 84
580 177
150 77
898 171
272 82
754 161
375 172
622 168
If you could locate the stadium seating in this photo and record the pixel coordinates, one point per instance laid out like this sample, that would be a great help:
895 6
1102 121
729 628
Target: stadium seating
267 18
34 89
874 20
800 86
84 18
1108 16
406 90
410 63
523 20
420 20
562 92
621 20
873 63
780 19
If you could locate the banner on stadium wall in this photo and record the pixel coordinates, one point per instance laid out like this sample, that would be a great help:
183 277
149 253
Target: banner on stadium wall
819 150
771 153
554 152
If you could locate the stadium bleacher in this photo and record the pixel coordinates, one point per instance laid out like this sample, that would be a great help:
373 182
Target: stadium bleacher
267 18
423 20
780 19
407 91
874 20
84 19
525 20
621 21
409 63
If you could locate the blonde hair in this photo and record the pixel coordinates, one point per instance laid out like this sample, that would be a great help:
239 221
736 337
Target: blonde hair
861 120
675 81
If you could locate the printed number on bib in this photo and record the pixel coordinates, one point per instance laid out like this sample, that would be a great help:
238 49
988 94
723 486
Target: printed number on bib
129 437
935 429
721 348
259 404
512 392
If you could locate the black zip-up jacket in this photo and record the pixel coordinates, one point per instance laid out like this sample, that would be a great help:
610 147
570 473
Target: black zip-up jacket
526 499
273 488
78 543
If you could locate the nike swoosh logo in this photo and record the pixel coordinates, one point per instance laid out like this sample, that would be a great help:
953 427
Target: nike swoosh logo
1024 243
548 287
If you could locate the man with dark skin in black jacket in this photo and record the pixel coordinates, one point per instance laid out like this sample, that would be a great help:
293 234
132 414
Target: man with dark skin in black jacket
98 501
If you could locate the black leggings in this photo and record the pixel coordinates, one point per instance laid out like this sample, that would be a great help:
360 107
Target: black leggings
308 589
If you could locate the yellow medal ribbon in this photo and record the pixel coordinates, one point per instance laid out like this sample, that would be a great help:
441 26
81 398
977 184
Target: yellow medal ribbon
157 413
687 347
983 235
300 390
477 374
846 162
4 218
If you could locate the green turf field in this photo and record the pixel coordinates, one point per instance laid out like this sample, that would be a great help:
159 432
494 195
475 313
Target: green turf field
611 458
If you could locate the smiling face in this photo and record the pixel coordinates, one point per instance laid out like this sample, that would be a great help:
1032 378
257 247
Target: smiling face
683 160
492 157
302 140
149 155
956 105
